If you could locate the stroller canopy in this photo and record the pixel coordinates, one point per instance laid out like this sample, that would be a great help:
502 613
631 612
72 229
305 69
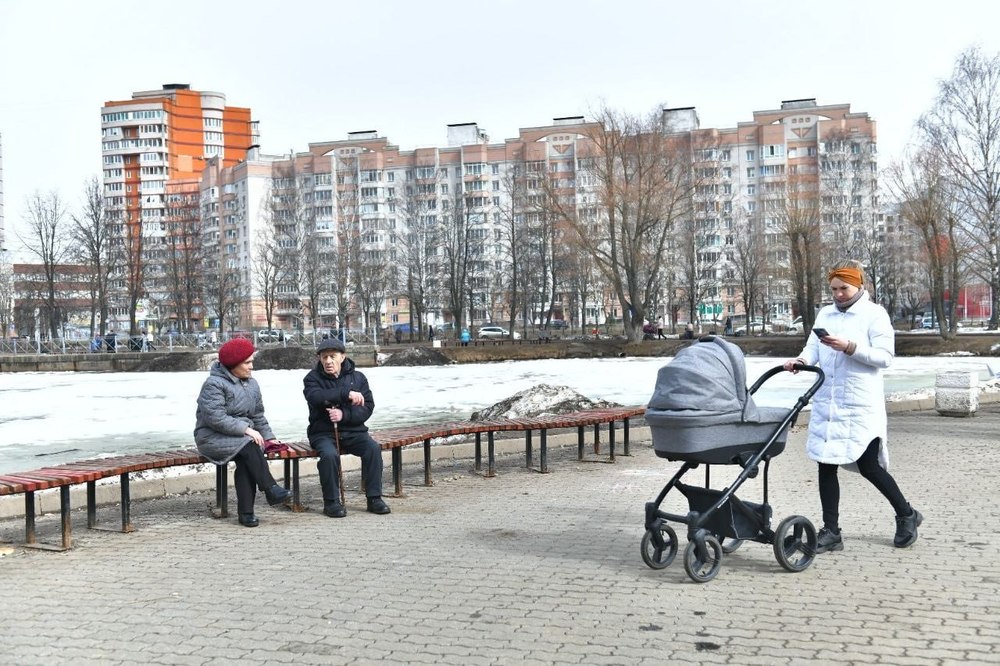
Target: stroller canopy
705 384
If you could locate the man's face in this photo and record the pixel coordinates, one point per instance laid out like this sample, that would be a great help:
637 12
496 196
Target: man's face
331 361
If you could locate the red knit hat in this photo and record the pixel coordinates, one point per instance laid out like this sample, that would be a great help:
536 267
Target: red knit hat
235 352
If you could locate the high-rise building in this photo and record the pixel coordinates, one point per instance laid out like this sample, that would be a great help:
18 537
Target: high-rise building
368 188
150 144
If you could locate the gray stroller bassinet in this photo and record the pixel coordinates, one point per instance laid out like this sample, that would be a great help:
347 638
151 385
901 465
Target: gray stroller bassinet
702 412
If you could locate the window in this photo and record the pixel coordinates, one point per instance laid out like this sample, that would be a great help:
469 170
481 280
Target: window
773 150
751 190
750 156
750 172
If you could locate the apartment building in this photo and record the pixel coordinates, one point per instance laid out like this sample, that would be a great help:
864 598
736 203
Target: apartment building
368 185
151 143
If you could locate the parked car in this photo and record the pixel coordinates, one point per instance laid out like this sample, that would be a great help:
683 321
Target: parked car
795 326
496 332
557 324
272 335
756 327
928 322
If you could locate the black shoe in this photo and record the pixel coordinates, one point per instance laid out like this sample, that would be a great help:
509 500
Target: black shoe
376 505
277 495
906 529
827 540
334 509
249 520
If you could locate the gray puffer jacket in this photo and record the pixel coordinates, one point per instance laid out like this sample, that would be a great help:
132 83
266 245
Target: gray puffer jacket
226 407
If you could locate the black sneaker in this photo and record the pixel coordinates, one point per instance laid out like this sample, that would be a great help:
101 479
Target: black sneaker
906 529
376 505
827 539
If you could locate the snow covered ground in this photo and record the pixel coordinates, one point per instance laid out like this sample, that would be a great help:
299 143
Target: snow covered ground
52 417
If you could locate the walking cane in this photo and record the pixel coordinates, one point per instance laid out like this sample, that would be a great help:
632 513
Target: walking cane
340 462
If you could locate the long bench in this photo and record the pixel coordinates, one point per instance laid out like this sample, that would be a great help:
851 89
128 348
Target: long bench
394 440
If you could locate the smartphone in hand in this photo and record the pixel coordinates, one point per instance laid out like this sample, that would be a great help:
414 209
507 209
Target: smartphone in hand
821 332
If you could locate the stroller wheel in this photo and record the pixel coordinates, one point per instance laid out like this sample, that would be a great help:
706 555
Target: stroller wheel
730 545
795 543
704 565
659 547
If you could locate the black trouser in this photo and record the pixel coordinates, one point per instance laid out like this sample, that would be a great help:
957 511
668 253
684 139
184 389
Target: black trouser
829 486
252 473
356 443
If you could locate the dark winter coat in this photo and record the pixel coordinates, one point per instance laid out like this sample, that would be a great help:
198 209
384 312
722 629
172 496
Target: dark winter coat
322 390
226 407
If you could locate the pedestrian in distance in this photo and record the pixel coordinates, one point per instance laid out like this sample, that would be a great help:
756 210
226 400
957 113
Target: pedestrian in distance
688 332
430 333
465 337
852 341
399 335
340 403
149 340
230 425
659 329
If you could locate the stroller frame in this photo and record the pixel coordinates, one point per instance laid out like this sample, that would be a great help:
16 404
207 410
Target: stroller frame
717 515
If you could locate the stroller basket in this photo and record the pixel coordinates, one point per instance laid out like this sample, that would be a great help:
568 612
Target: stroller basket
731 520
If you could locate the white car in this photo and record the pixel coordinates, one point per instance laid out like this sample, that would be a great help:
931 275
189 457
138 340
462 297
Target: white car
496 332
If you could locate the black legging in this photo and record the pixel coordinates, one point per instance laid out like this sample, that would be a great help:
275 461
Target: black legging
829 486
251 473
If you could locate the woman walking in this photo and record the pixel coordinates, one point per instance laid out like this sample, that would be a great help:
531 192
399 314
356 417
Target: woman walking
852 341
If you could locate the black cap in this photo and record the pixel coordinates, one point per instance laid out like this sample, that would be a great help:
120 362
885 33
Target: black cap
330 344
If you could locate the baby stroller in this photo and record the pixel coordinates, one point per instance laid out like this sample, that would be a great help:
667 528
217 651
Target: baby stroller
702 413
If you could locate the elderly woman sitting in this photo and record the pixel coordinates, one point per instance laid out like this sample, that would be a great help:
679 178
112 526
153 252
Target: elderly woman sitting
231 426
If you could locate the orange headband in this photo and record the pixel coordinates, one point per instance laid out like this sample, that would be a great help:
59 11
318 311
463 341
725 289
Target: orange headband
851 276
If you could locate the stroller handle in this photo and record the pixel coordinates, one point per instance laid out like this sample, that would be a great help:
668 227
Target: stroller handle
807 396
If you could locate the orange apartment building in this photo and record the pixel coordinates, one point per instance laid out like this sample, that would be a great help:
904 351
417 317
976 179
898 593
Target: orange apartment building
154 141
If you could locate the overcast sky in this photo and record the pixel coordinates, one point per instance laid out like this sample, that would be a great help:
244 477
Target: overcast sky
313 71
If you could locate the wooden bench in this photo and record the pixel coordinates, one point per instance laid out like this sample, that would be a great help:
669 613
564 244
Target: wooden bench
394 440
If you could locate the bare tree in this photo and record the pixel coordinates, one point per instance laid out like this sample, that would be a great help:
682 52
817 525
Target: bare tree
962 129
644 189
6 294
95 249
419 227
799 221
455 229
268 269
48 238
923 189
184 261
225 293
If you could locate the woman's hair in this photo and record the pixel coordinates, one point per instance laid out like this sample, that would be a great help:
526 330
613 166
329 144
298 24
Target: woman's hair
856 265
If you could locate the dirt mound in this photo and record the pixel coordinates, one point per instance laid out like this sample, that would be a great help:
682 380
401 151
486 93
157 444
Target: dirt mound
414 356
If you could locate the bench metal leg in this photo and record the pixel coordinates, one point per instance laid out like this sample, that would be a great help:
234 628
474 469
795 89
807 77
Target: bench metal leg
491 454
479 452
221 491
29 518
611 441
579 442
126 503
625 437
397 471
527 448
91 505
597 439
427 463
543 453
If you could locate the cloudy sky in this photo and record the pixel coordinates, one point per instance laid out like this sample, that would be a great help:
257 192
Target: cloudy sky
313 71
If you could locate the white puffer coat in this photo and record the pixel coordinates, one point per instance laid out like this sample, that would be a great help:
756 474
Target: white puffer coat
849 409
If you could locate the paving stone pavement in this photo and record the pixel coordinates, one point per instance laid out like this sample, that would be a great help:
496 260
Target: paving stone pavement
528 568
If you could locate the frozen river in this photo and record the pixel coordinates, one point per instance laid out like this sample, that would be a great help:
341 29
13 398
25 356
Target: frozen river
52 417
